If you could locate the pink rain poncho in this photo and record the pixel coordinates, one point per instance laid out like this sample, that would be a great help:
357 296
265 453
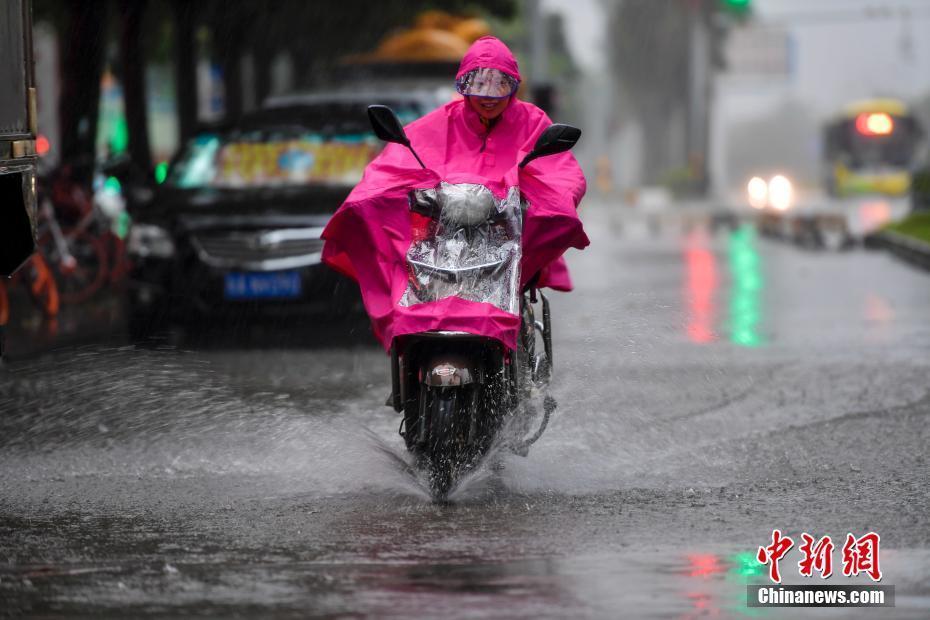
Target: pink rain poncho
369 236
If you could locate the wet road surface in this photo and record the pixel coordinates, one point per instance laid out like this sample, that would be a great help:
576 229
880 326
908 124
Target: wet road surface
713 386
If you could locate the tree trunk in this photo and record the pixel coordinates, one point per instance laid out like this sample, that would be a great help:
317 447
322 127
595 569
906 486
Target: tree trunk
133 61
185 69
79 105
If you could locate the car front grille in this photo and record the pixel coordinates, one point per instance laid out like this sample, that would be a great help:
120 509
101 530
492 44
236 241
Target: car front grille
260 250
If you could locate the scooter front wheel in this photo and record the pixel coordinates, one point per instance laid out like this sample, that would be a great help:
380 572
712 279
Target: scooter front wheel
444 452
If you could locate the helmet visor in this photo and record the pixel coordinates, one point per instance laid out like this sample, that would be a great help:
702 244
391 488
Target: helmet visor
485 82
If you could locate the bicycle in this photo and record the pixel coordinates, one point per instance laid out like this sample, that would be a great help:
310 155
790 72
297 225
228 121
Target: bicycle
75 252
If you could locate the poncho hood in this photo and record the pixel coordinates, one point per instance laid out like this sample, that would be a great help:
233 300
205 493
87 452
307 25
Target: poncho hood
489 52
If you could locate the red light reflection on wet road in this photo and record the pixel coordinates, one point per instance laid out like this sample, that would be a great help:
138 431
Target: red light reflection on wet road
701 287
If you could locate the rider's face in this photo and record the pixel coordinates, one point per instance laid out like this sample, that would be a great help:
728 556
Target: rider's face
488 108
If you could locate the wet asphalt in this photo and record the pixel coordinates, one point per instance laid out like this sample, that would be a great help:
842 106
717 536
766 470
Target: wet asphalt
713 385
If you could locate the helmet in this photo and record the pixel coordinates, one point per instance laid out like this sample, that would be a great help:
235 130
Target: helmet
486 82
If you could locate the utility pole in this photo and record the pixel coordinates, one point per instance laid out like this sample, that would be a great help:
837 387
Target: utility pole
541 89
698 95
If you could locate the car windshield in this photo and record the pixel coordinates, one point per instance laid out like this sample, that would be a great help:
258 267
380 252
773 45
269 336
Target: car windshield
319 144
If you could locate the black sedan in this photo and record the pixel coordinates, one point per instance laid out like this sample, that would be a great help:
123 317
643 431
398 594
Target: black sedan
235 227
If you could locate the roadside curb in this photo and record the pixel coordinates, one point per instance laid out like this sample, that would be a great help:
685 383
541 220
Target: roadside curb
907 248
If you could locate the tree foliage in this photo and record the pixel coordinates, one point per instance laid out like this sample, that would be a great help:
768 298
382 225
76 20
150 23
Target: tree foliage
318 34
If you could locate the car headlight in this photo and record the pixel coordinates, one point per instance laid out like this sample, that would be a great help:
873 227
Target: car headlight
780 192
149 240
758 191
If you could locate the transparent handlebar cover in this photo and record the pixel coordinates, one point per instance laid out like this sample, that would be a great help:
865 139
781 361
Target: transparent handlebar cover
466 243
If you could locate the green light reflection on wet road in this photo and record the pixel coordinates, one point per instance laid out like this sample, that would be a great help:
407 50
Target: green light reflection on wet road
746 287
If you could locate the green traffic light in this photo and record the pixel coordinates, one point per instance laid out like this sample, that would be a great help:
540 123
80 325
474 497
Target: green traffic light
161 172
736 6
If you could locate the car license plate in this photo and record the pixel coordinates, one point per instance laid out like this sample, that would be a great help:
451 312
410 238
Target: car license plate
263 285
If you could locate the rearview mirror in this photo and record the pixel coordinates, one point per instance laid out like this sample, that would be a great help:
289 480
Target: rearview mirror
555 139
386 125
388 128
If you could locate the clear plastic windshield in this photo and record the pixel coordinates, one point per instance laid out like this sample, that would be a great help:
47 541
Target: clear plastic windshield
466 243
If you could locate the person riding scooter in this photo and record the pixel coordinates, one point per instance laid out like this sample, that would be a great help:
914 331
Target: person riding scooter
453 227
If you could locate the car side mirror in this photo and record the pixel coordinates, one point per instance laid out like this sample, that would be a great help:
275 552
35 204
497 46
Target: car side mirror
388 128
555 139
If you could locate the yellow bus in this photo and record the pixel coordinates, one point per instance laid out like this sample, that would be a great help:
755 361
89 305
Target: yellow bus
870 147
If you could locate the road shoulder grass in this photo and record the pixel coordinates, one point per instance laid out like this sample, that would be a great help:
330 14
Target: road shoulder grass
916 226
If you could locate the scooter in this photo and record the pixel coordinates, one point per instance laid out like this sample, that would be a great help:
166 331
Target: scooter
463 396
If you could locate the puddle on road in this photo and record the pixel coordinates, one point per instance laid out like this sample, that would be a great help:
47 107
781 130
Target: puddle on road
659 583
163 414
